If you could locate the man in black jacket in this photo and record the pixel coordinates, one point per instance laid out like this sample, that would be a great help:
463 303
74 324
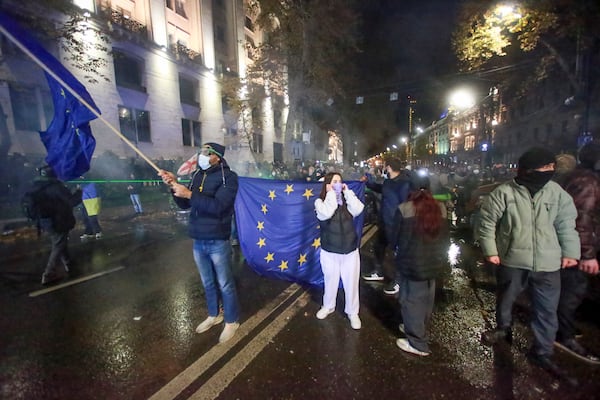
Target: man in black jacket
394 190
211 197
55 205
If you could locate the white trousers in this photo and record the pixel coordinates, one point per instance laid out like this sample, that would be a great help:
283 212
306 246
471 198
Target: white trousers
346 267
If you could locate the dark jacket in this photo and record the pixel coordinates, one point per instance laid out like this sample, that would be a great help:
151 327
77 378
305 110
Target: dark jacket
584 186
417 258
57 204
213 198
393 192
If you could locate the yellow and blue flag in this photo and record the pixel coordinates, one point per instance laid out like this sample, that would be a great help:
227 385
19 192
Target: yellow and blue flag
278 228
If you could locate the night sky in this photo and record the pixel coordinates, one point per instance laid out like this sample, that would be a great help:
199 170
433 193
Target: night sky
408 49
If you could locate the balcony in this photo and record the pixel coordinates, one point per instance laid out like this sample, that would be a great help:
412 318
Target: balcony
123 21
183 53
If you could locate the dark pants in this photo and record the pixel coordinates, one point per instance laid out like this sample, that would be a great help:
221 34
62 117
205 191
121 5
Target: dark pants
91 223
416 305
544 292
574 283
379 247
59 251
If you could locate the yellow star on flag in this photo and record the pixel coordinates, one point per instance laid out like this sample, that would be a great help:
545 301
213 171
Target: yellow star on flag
263 209
308 193
302 259
272 194
316 243
269 257
261 242
283 266
289 189
261 225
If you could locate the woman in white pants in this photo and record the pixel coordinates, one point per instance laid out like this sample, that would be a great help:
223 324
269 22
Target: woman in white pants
336 208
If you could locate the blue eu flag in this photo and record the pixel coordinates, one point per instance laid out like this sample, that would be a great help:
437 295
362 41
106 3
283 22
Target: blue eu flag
278 228
68 139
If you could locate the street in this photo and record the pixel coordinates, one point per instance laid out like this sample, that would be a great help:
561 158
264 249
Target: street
121 326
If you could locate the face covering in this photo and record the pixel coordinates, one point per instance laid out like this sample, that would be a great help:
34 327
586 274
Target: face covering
203 161
534 180
337 188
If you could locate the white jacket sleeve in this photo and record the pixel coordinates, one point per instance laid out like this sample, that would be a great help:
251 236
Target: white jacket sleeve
326 208
355 206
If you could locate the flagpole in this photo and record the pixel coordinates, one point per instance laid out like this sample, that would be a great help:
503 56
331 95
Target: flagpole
77 96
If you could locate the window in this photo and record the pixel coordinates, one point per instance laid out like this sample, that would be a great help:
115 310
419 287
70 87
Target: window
191 132
128 71
188 91
248 24
176 5
26 108
257 143
135 124
220 33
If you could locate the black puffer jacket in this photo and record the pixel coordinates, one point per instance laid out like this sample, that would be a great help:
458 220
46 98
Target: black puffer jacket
213 198
417 258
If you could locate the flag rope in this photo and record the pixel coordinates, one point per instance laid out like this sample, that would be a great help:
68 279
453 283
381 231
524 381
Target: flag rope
77 96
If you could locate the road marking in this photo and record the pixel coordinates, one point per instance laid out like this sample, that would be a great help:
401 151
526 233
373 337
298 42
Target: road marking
73 282
190 374
221 379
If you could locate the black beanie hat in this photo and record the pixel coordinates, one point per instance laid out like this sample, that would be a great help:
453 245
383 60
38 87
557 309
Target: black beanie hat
589 155
536 157
215 148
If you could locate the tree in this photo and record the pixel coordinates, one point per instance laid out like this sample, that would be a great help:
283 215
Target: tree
562 32
306 54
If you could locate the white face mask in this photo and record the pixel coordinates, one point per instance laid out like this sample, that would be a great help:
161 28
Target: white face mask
203 161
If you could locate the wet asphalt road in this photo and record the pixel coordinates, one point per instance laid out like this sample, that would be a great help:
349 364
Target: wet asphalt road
121 326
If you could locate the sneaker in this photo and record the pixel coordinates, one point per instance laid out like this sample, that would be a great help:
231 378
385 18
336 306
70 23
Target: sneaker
497 335
392 288
324 312
228 331
235 242
99 235
49 278
86 236
548 365
208 323
355 321
373 276
572 347
405 345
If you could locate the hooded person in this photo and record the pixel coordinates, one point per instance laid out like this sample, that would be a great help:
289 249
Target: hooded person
531 172
211 195
583 184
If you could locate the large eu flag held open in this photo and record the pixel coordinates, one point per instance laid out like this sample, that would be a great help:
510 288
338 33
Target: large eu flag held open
68 139
278 228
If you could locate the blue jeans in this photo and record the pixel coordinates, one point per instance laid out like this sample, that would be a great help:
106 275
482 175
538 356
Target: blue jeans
213 259
137 204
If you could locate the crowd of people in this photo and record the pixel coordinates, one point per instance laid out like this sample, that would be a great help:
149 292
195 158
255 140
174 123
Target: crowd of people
540 231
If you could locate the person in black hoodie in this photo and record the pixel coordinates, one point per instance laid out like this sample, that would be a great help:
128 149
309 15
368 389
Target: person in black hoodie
56 217
421 241
211 196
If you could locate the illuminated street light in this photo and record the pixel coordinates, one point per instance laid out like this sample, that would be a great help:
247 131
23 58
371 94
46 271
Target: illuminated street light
461 99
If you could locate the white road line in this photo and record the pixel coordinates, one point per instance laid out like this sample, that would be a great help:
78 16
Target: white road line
73 282
220 380
190 374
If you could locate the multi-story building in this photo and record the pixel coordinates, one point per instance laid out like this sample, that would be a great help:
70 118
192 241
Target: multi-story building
164 64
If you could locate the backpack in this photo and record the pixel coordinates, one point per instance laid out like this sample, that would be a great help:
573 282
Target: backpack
32 204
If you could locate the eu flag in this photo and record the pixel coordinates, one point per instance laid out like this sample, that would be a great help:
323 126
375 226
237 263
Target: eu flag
278 228
68 139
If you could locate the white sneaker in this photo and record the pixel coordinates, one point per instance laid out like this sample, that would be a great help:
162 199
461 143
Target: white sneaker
228 331
324 312
355 321
405 345
209 323
99 235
